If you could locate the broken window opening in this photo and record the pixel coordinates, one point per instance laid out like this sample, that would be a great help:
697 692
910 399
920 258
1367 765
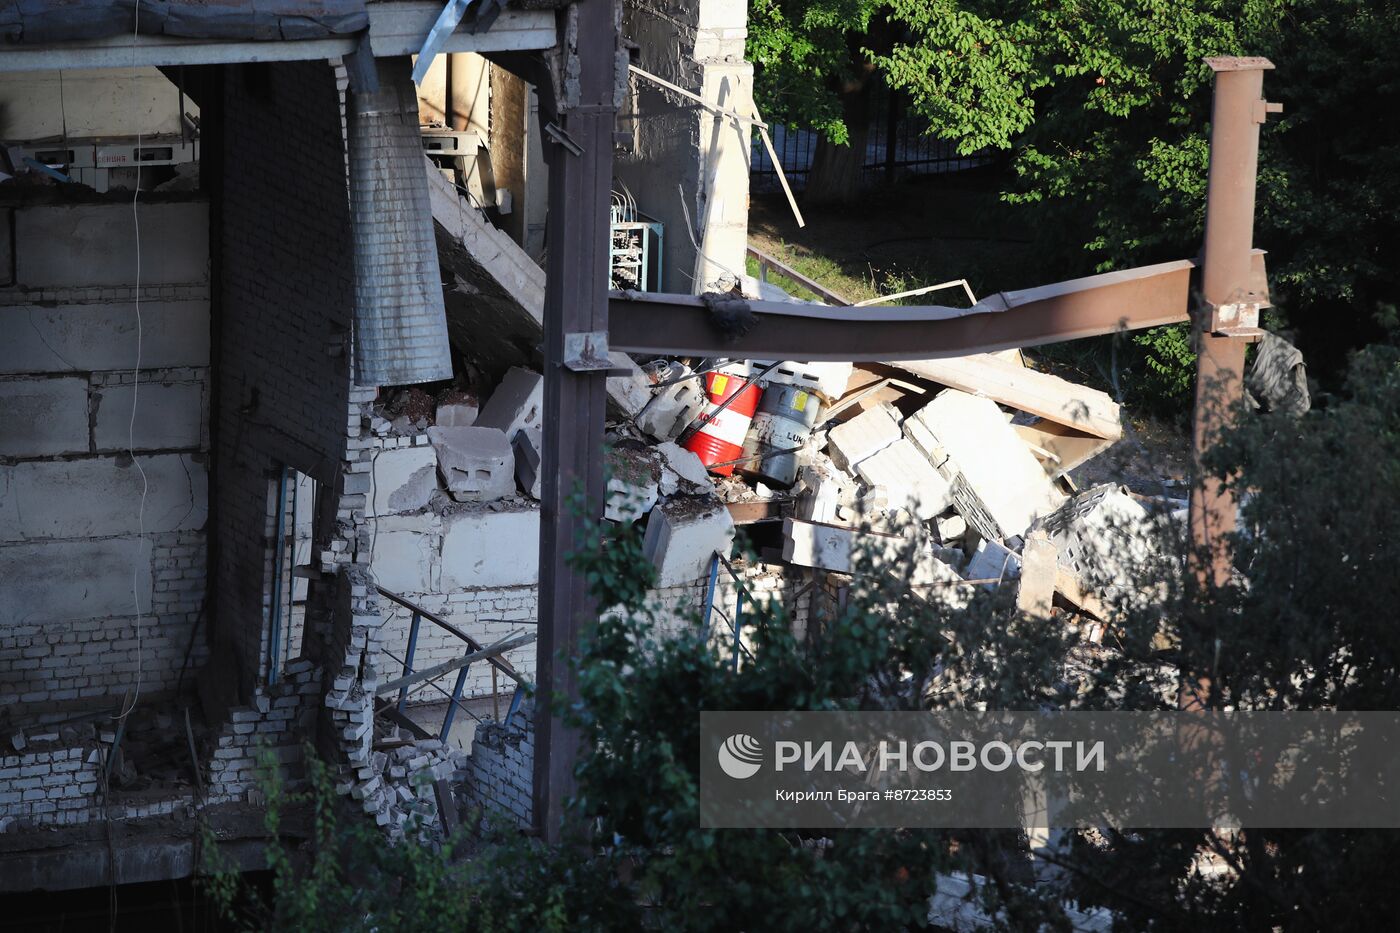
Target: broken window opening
291 517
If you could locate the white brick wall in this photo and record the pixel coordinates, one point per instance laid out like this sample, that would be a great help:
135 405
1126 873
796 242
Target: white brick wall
499 770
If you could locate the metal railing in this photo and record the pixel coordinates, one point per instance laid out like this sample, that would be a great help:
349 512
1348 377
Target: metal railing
766 262
491 654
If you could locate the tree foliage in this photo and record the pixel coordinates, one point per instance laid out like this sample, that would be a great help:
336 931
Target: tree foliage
1103 108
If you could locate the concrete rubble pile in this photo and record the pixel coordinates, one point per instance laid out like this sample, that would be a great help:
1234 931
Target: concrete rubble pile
970 456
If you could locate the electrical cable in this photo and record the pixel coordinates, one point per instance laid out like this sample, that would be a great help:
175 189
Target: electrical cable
131 422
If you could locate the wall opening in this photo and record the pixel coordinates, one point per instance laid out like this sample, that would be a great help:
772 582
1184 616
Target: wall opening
291 514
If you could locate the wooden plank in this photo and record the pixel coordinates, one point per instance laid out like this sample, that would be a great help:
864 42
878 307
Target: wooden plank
1061 448
1050 397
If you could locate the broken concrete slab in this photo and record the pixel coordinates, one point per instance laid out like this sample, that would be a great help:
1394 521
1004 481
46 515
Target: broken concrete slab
629 500
495 295
683 535
477 463
403 479
681 470
831 547
863 436
629 394
951 528
516 405
909 480
997 484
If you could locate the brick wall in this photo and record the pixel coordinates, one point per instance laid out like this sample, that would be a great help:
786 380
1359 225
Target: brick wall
283 329
70 492
498 778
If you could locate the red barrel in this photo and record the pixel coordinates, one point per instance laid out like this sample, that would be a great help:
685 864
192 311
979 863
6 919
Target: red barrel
720 436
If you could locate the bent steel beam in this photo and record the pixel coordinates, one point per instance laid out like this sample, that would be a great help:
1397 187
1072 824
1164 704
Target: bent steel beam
1098 304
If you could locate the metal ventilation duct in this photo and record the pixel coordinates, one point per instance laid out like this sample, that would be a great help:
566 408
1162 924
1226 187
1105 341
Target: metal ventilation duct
400 321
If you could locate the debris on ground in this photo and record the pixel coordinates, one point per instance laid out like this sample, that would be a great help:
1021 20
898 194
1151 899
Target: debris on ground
968 459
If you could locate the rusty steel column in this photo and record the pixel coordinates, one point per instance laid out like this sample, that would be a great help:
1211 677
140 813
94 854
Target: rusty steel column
579 151
1228 317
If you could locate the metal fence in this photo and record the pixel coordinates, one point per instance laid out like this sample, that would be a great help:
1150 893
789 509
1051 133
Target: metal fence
898 144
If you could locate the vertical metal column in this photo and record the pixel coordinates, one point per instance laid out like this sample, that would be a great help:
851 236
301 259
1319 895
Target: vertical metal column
1229 317
576 302
408 656
455 702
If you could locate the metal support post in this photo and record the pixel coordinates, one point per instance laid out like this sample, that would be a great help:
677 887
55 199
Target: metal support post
456 701
408 656
575 400
1228 317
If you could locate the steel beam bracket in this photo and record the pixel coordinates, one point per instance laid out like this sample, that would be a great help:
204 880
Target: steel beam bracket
1237 319
587 351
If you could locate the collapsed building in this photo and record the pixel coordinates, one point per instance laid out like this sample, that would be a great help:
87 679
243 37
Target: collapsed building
275 469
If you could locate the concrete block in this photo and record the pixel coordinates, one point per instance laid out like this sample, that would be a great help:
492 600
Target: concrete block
825 490
77 245
44 417
167 415
629 394
1035 591
477 463
528 448
952 528
102 496
673 408
1103 535
516 405
681 470
403 479
837 548
909 480
461 413
841 549
96 337
683 535
993 462
629 499
105 569
863 436
483 549
993 562
403 556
